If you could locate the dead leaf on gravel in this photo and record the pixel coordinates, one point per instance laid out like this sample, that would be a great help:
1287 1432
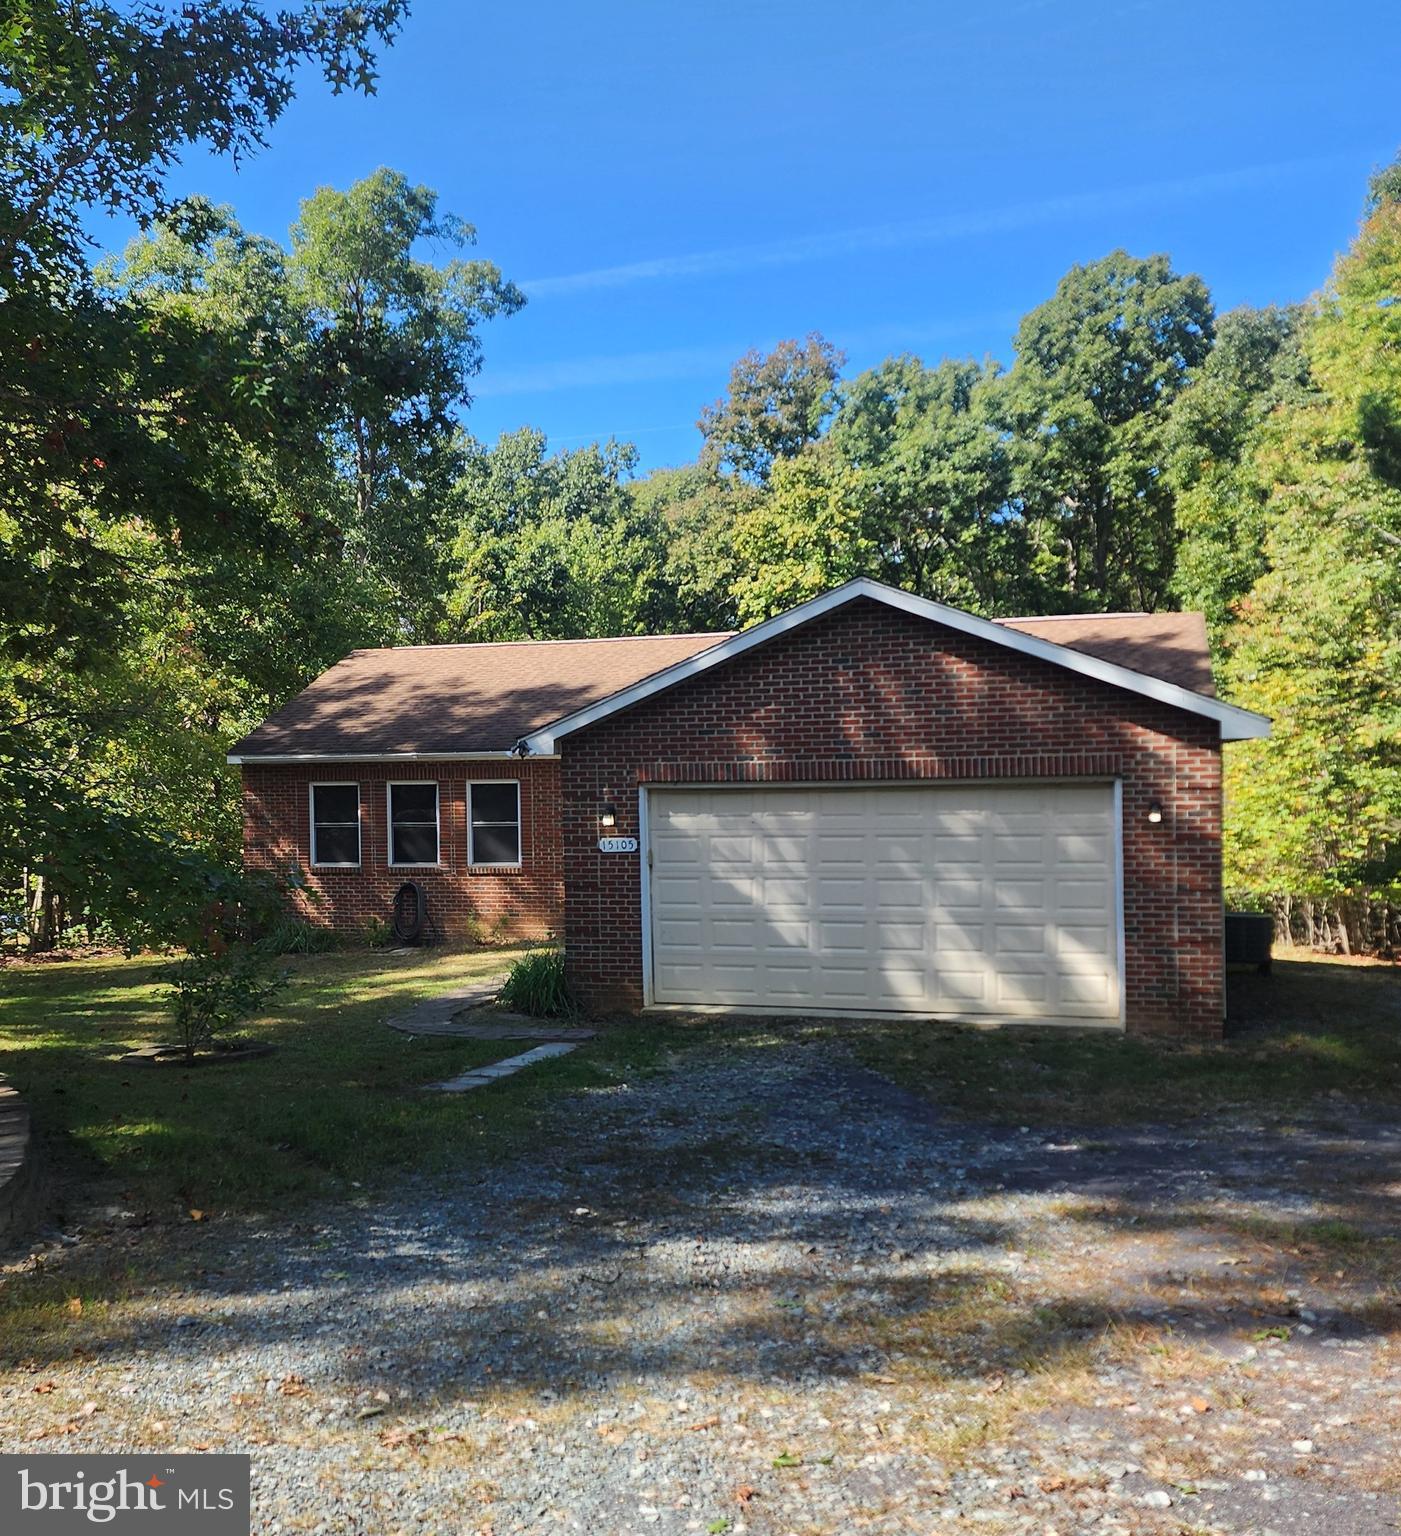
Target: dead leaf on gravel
44 1386
199 1215
74 1306
743 1493
87 1410
711 1423
1051 1484
293 1386
1200 1405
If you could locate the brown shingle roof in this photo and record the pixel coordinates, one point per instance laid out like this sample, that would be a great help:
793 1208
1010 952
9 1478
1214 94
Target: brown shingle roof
458 698
446 699
1172 646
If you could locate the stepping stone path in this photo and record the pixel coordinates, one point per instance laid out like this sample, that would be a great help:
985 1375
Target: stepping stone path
434 1015
469 1015
479 1077
443 1016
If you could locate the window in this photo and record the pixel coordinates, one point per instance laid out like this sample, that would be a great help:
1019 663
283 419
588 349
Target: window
495 815
413 823
335 824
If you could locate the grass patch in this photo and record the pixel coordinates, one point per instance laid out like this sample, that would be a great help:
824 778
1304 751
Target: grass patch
336 1106
1310 1029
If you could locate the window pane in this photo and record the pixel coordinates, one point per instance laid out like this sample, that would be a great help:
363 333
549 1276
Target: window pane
493 802
496 845
415 845
414 802
336 802
337 845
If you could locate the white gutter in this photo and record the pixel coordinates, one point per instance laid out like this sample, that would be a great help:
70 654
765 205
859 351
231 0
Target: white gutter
274 759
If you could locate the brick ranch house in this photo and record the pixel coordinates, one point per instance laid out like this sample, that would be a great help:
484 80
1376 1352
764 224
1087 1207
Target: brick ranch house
873 803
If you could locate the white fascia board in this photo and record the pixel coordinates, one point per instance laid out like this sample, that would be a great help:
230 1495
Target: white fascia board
1236 724
275 759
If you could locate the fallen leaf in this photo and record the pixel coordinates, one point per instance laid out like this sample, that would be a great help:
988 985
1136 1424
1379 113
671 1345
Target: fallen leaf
199 1216
293 1386
1200 1405
1051 1484
87 1410
74 1306
743 1493
44 1386
711 1423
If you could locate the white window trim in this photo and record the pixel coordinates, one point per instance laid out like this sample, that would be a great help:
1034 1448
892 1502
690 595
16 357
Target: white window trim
389 789
311 822
471 831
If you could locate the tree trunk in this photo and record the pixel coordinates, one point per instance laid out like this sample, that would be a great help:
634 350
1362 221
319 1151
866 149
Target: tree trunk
41 926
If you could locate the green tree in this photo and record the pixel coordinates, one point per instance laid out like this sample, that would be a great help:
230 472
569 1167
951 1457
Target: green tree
934 471
694 509
396 347
1218 425
551 546
776 404
1088 399
806 536
1315 812
122 420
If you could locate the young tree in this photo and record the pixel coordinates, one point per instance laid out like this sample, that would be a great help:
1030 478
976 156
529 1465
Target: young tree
1097 369
776 404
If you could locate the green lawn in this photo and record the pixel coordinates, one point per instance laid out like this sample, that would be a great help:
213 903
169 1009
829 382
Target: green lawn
339 1104
1313 1031
335 1106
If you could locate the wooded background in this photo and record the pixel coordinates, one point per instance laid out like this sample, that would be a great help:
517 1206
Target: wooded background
226 461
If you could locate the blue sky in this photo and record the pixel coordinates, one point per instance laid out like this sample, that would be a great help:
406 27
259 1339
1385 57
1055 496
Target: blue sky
674 184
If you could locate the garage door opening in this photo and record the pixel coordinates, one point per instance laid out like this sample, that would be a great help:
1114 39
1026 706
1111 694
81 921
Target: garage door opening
969 901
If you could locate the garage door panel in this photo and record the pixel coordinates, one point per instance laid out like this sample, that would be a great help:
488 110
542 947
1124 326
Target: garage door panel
978 899
1020 939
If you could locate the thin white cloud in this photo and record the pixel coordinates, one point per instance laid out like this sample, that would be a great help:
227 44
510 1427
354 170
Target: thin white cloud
933 231
591 372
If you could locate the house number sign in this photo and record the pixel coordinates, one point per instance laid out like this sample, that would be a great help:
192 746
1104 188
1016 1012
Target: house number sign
617 845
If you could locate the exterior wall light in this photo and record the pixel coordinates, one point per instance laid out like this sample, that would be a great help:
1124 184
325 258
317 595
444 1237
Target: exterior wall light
608 817
1155 811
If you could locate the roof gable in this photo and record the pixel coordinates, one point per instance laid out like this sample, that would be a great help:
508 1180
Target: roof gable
1027 636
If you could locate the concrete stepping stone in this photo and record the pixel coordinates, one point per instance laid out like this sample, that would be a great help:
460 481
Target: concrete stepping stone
430 1016
479 1077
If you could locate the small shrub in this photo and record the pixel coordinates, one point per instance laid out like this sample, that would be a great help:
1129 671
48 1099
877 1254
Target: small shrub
292 936
536 985
211 990
376 933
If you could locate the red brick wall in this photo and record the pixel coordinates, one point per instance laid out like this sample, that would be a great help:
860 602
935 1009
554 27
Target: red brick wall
463 901
873 694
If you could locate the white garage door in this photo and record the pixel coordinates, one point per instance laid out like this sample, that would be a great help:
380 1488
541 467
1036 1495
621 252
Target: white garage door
971 900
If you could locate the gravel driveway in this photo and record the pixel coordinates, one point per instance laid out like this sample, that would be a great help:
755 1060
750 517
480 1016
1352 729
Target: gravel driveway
767 1291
